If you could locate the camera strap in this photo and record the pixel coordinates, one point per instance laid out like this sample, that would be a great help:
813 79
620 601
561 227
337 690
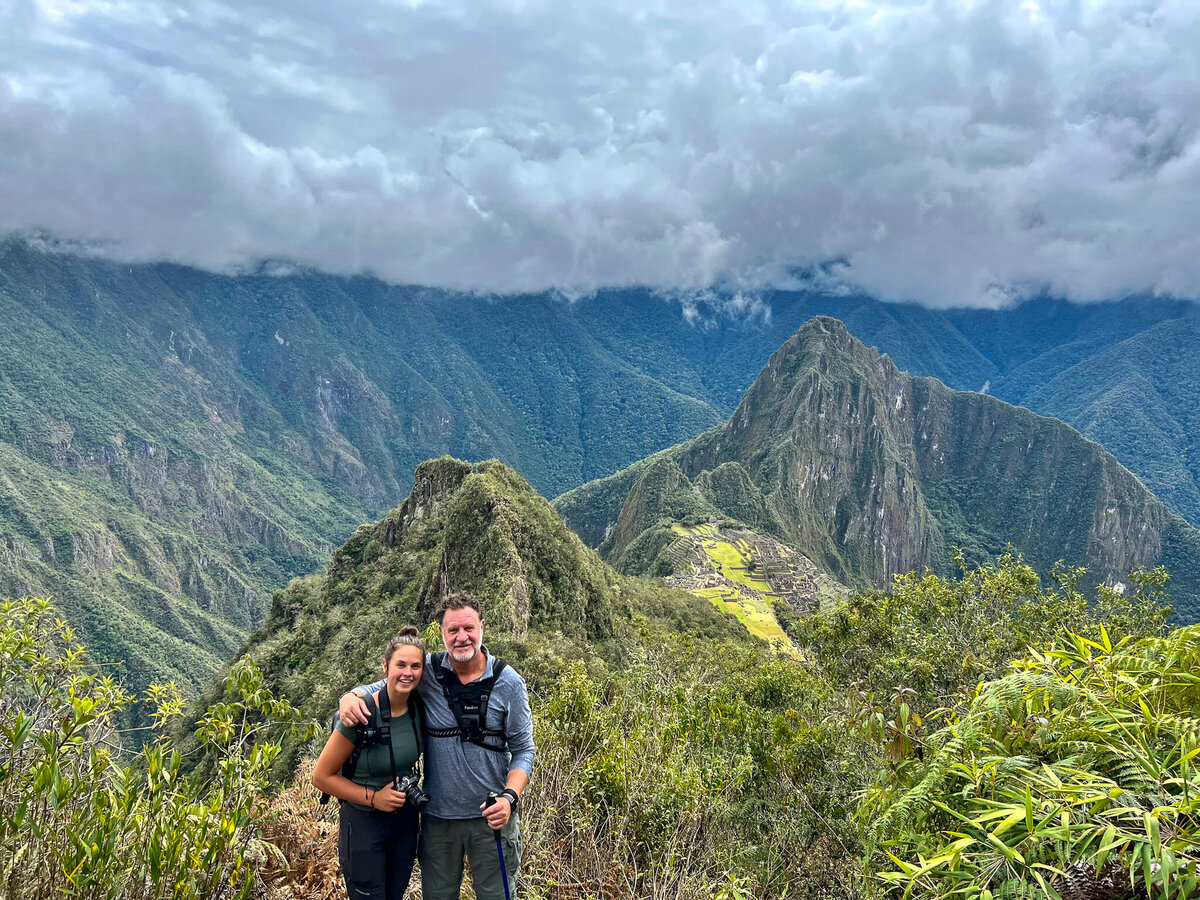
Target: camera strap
385 731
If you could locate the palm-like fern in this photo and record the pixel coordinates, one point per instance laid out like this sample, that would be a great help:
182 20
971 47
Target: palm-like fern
1075 771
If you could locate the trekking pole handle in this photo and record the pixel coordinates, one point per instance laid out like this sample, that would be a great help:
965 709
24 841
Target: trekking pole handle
492 797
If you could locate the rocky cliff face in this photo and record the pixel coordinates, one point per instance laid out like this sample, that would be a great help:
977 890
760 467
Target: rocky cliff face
871 472
825 432
1033 481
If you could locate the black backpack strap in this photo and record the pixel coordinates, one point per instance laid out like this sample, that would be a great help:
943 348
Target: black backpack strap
416 715
362 734
469 703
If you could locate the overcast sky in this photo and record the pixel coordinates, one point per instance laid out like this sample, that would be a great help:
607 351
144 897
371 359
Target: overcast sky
947 152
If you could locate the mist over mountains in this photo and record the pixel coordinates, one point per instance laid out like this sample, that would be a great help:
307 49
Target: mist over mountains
176 445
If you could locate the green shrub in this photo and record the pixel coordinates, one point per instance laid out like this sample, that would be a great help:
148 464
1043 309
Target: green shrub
77 818
700 769
1077 768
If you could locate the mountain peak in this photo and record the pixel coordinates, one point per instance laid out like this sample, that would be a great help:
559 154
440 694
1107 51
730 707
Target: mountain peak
872 472
480 528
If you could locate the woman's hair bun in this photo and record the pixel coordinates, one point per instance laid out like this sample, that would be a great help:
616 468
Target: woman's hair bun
408 636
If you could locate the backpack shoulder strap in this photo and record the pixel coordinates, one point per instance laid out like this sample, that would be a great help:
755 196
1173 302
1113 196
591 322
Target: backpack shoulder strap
438 668
362 733
372 708
361 736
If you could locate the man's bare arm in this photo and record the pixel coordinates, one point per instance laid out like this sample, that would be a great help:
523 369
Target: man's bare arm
351 707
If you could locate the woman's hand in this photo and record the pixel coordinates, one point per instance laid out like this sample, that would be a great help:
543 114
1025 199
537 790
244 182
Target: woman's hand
387 799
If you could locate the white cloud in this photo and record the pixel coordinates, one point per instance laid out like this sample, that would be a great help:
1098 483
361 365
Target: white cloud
950 151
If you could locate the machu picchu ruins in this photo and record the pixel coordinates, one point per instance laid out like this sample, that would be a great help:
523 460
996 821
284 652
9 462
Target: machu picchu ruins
746 574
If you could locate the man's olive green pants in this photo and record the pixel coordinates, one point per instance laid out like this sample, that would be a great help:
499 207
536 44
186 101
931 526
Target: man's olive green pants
445 843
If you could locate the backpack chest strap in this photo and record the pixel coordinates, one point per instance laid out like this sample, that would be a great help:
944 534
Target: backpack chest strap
469 704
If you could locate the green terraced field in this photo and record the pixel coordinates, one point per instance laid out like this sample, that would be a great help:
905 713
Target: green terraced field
751 607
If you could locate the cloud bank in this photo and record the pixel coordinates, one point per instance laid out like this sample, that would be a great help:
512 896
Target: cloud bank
952 152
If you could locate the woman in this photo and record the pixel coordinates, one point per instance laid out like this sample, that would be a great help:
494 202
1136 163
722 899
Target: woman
378 839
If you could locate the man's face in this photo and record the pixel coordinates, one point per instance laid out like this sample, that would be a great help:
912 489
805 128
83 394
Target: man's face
462 633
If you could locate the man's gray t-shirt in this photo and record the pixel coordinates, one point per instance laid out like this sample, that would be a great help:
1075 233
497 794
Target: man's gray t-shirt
458 774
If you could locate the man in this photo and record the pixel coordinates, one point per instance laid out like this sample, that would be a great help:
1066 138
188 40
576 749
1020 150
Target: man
473 752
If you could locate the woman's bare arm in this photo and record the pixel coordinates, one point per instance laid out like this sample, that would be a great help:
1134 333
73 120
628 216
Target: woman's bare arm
327 778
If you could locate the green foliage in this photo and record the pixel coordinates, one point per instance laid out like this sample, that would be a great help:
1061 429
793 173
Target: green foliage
930 640
697 769
77 819
1078 766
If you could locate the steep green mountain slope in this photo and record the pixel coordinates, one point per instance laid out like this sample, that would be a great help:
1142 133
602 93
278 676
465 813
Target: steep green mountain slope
1140 399
871 472
175 445
1126 375
475 527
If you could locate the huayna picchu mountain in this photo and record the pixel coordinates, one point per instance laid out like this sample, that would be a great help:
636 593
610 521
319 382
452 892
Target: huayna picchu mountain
872 472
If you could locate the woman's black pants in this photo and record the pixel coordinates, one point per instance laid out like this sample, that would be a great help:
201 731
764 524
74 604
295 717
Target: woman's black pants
376 850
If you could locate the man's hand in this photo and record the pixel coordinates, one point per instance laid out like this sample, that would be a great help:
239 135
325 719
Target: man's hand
352 710
388 799
497 812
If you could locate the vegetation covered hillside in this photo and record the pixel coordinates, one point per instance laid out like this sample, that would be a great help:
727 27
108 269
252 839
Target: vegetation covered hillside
175 445
475 527
871 473
677 759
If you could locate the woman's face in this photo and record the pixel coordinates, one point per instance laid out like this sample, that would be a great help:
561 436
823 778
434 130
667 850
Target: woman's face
403 670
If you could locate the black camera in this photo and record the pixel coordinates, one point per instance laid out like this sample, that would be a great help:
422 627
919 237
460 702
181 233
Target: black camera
411 789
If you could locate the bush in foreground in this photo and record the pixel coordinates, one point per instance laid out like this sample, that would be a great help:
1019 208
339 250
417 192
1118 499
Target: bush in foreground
1073 776
78 818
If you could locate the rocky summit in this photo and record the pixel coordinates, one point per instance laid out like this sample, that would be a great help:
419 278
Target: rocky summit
872 472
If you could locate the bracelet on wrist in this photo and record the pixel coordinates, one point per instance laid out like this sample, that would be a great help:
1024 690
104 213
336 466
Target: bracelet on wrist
512 797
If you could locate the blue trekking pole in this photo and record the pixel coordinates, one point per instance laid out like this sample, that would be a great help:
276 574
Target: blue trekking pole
492 798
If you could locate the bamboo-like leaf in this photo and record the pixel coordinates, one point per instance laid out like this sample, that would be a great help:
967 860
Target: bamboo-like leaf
1008 852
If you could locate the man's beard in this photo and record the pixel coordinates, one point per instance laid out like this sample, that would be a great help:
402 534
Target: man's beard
464 654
